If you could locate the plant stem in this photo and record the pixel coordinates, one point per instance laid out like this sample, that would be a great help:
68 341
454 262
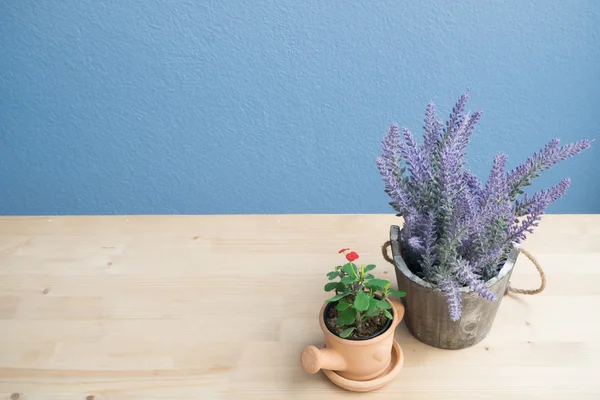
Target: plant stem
358 321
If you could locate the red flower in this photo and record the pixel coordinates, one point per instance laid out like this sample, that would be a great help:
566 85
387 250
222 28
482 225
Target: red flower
342 250
351 256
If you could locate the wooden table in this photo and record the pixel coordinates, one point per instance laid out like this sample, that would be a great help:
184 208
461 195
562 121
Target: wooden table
219 307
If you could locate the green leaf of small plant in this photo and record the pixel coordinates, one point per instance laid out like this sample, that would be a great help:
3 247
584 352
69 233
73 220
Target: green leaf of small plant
347 317
372 311
397 293
387 314
350 269
380 282
331 286
348 280
332 275
384 304
361 302
369 267
337 297
342 305
346 332
377 283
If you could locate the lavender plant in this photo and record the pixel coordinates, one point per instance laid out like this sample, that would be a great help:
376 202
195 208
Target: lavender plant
457 230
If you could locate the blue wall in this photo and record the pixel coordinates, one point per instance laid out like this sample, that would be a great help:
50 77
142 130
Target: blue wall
190 106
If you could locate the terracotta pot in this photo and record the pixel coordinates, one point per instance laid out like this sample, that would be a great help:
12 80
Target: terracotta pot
427 316
356 360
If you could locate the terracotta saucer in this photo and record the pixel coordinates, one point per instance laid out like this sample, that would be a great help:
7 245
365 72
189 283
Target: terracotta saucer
366 386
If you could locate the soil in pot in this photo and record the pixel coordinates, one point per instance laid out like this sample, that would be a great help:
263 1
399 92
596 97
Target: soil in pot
370 328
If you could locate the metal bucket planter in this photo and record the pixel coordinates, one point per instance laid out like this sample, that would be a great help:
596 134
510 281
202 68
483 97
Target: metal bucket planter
427 315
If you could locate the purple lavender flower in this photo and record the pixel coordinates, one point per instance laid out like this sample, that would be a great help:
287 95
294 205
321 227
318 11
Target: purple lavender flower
495 190
464 274
389 164
473 120
472 183
486 263
533 208
416 160
416 243
549 155
432 130
468 201
457 116
460 229
452 293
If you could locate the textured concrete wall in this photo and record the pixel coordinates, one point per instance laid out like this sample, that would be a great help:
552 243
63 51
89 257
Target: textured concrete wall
148 106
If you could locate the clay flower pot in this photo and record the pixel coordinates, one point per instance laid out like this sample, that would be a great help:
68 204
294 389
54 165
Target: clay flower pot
354 359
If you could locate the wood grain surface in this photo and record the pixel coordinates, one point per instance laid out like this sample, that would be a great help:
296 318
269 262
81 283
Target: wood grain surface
220 307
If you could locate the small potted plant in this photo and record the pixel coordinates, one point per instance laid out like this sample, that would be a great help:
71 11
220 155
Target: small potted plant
455 252
358 325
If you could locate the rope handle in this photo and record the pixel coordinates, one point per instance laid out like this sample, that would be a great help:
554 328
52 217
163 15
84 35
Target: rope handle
509 288
384 252
540 271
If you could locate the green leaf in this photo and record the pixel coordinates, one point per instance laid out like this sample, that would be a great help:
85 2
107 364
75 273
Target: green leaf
369 267
372 311
347 317
377 283
369 276
336 297
348 280
330 286
346 332
342 305
350 269
387 314
332 275
361 302
397 293
384 304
